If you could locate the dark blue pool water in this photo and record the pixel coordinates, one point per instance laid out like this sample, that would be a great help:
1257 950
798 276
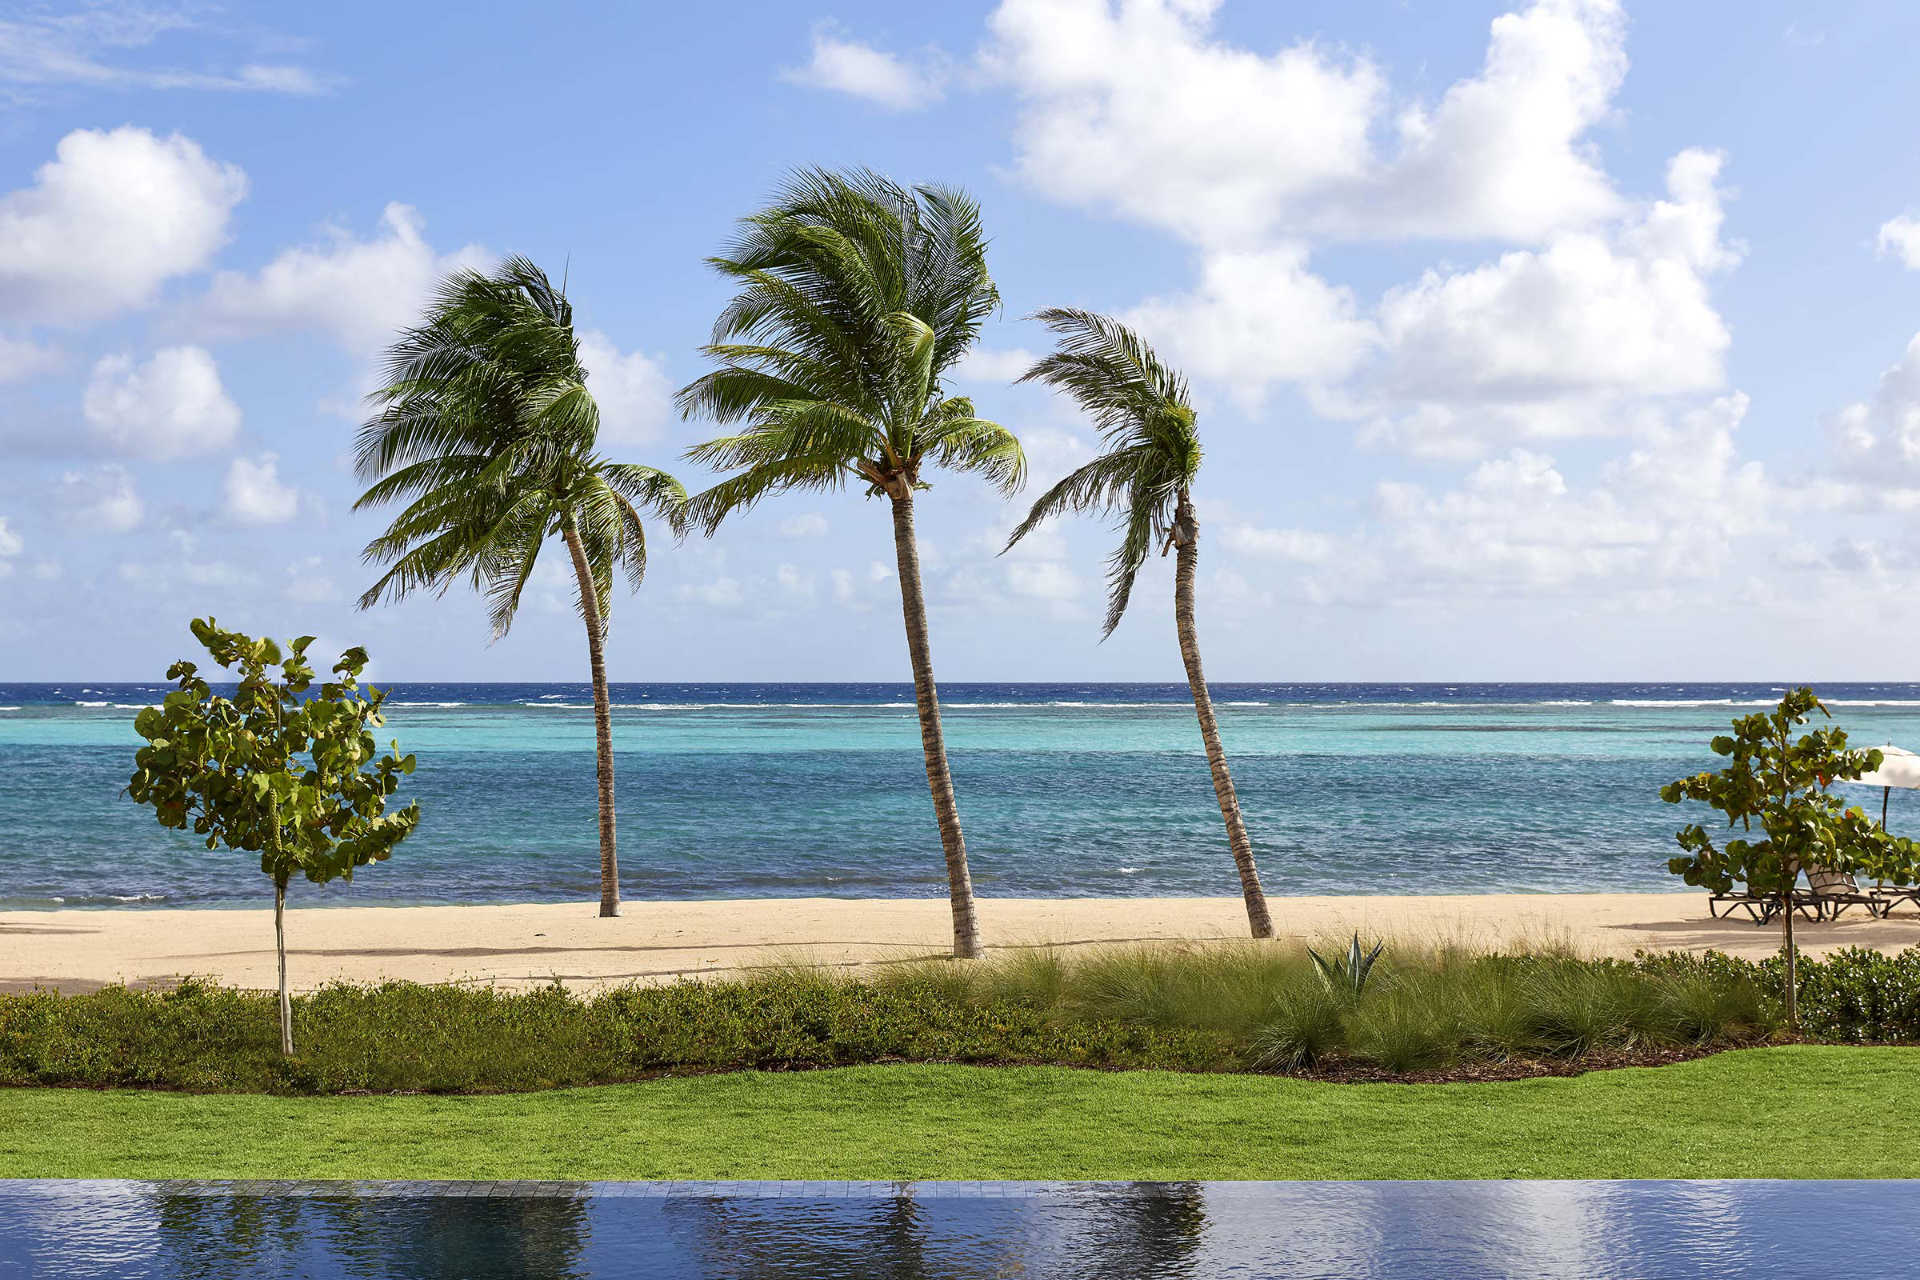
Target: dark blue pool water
906 1231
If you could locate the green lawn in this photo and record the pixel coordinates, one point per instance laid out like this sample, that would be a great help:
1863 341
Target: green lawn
1801 1112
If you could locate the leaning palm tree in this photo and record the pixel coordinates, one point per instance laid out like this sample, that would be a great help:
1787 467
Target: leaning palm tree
855 296
1144 479
486 430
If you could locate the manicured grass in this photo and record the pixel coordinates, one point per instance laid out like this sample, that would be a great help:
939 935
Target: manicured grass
1791 1112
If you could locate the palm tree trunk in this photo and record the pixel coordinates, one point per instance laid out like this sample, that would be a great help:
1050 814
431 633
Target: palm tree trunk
926 698
1186 539
602 716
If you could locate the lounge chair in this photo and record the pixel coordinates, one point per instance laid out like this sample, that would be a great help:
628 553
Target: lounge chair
1829 893
1892 895
1761 908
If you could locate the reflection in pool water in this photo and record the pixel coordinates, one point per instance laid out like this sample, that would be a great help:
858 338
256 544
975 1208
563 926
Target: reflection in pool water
903 1231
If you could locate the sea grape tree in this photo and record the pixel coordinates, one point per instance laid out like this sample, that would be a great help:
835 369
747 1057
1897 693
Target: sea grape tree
1779 781
277 769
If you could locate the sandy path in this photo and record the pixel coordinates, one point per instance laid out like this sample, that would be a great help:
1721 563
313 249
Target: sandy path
656 941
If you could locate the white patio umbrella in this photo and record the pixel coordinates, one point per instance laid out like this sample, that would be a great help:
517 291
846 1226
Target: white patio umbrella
1898 768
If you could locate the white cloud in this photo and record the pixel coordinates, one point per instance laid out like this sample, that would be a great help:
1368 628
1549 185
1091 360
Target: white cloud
10 542
985 364
20 359
359 292
1300 545
1256 318
307 583
102 499
171 406
1877 441
794 581
1049 580
808 524
73 48
256 494
843 588
1546 343
1901 237
844 65
722 593
1146 110
631 389
1674 508
113 216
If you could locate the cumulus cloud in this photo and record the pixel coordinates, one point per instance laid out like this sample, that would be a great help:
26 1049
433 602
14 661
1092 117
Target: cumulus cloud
101 500
170 406
1146 110
1545 343
113 216
255 493
1256 318
841 64
631 389
360 292
10 542
1901 237
1876 442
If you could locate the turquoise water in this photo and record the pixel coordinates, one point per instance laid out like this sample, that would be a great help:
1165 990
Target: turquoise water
777 790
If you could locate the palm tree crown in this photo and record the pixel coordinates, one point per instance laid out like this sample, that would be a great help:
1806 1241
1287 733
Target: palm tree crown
1152 455
486 428
856 296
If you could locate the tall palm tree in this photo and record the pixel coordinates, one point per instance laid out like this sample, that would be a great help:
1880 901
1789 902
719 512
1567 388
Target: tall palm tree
486 430
1145 480
855 296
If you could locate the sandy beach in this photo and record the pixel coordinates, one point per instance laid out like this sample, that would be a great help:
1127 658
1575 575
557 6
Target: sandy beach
518 946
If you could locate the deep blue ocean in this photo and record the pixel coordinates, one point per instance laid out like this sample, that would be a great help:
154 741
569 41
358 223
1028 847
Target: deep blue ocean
816 789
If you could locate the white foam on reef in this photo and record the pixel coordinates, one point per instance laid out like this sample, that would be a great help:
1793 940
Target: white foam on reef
89 704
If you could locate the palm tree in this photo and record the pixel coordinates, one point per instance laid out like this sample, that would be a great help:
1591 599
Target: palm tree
1144 479
855 296
486 430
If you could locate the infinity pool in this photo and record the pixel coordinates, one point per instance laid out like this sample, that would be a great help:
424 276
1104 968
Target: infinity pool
903 1231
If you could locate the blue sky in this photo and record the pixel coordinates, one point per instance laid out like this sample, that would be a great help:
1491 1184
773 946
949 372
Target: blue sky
1550 341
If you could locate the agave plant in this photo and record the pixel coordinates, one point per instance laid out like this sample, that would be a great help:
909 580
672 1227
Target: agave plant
1347 975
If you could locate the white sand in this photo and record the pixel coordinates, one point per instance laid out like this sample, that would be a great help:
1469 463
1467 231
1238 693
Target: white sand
659 941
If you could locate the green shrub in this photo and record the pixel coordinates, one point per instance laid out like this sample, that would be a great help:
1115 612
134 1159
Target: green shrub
1212 1008
1861 996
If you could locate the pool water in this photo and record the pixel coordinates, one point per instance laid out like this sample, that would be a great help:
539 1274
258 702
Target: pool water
903 1231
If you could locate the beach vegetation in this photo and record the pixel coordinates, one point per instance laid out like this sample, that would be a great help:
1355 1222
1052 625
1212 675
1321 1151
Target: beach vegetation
1778 778
1743 1114
1347 973
1144 480
486 431
278 769
1445 1012
857 297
